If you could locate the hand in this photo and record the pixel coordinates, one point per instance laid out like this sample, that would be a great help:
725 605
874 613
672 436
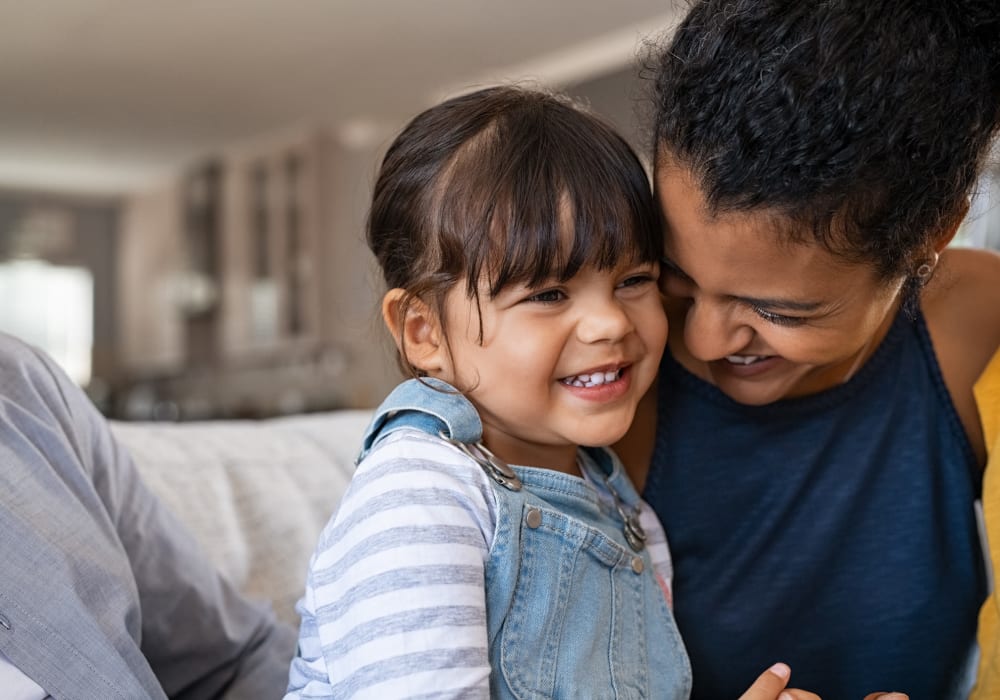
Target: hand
770 685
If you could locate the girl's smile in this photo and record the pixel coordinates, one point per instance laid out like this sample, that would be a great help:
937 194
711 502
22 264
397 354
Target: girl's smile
607 384
593 377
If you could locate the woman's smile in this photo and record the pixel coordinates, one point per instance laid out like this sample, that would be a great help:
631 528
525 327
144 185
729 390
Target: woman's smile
745 366
758 314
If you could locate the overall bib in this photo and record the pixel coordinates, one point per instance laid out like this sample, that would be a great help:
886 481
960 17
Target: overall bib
574 609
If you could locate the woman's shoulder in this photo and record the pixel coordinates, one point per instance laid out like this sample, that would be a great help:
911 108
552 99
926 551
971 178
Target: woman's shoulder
965 276
962 309
977 268
962 306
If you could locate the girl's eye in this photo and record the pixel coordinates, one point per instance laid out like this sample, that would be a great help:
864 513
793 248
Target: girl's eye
549 296
778 319
635 280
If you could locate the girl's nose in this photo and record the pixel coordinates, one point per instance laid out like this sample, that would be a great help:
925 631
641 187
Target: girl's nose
711 333
604 322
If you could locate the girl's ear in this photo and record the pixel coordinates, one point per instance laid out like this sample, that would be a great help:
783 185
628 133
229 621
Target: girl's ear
417 331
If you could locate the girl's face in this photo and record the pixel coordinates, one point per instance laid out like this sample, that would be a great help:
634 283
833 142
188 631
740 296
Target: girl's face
759 317
559 365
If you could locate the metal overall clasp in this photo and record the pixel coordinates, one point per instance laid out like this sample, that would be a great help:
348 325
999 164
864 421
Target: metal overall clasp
496 468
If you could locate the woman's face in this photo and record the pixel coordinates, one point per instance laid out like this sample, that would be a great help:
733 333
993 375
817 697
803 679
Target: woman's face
759 317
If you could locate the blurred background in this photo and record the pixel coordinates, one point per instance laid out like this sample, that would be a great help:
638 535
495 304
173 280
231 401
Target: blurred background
183 185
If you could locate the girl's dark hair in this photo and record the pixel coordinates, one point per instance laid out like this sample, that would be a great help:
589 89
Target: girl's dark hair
862 124
504 186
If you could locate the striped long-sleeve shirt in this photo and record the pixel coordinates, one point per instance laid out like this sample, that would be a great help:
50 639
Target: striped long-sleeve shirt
395 603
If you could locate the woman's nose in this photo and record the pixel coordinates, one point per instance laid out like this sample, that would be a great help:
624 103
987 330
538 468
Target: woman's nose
711 332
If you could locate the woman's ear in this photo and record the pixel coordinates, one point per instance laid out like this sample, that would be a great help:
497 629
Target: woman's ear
949 231
417 331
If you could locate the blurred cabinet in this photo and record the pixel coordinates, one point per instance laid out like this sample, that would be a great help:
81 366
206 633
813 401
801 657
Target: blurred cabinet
247 288
270 240
197 285
219 269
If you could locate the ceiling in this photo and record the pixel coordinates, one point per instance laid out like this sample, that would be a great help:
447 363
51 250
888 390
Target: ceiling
105 96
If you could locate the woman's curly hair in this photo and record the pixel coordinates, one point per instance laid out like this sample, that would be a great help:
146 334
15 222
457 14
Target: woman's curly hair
863 124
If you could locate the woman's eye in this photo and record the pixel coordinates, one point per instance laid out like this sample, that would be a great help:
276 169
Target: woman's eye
549 296
778 319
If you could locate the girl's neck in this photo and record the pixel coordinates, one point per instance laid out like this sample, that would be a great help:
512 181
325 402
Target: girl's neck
512 450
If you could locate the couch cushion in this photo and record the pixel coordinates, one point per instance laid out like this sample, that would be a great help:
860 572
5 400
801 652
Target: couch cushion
256 494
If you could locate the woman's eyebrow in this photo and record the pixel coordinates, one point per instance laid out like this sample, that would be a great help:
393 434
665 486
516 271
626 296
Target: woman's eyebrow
763 302
783 304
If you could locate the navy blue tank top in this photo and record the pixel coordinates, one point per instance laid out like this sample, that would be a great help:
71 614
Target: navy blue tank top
835 532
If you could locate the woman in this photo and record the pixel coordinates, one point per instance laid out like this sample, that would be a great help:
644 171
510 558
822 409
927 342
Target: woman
814 448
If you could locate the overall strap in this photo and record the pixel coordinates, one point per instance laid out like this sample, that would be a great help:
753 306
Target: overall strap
426 404
626 498
436 408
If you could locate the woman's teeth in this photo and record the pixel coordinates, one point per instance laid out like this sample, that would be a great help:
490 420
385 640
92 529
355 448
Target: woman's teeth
595 379
744 359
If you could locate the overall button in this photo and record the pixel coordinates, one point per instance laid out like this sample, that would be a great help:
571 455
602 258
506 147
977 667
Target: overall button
4 622
637 565
533 518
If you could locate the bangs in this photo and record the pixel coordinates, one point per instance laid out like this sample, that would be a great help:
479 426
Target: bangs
542 192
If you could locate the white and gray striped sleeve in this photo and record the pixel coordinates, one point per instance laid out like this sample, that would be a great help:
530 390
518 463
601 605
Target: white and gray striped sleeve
395 595
659 550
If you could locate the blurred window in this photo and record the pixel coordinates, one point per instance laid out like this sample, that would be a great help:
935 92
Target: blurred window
981 228
52 307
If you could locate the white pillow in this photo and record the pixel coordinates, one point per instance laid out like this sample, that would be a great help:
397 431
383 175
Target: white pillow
256 494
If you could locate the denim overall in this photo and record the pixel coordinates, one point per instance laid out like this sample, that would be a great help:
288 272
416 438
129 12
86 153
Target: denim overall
572 610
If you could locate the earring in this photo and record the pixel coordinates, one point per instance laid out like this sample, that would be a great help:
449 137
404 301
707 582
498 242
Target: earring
926 268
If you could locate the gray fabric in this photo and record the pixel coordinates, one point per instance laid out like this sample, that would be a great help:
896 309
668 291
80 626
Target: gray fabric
103 594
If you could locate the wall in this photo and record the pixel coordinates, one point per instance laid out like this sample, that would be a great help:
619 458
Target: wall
622 97
351 285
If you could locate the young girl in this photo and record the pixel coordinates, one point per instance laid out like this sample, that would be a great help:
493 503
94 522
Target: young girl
519 242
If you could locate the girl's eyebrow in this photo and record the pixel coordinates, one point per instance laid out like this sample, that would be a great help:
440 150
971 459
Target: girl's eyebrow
763 302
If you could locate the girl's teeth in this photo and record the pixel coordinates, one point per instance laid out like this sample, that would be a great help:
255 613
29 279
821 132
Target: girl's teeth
595 379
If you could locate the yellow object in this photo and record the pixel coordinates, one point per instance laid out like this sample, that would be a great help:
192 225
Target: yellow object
987 391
